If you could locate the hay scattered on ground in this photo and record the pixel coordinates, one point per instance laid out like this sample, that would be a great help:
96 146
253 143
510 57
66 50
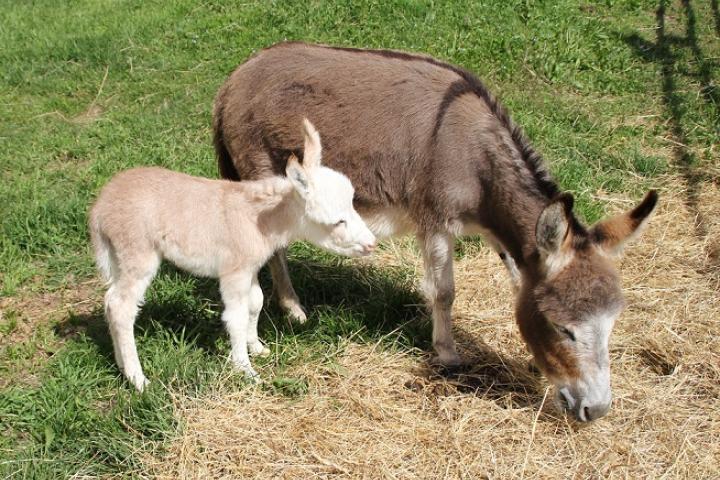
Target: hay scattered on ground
383 414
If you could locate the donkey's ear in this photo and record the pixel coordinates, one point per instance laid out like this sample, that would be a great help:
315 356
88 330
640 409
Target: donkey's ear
313 147
553 225
612 234
298 176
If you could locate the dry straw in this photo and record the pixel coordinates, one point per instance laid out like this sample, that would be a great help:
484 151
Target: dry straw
382 414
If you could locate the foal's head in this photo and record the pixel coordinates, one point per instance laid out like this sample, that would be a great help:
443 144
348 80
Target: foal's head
568 305
330 220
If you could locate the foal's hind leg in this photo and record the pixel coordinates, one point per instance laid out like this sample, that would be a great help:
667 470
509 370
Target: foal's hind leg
283 287
122 302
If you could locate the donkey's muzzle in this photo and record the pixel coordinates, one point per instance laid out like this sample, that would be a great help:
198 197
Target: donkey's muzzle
588 413
583 410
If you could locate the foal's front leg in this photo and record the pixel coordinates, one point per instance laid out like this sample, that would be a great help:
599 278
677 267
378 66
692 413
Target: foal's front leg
255 346
235 291
439 286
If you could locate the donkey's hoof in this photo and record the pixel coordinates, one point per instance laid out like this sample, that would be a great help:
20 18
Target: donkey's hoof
447 360
296 313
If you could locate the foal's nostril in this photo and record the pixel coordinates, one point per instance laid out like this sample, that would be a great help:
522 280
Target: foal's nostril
588 414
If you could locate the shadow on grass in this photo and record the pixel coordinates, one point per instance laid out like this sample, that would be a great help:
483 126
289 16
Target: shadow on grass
388 303
169 312
509 382
365 303
665 52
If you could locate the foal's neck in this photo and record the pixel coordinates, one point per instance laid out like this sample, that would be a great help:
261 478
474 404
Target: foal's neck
278 209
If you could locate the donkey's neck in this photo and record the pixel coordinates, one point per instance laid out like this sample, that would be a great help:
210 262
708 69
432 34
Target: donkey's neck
512 206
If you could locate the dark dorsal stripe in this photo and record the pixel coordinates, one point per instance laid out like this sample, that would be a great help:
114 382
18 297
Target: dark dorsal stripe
471 84
456 89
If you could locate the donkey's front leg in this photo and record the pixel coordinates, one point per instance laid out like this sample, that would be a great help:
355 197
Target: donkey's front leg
235 291
509 261
439 286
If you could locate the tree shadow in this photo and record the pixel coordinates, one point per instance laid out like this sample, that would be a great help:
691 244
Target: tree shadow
664 52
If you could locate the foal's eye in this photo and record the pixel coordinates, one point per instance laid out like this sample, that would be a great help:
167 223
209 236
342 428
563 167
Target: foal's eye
565 331
340 222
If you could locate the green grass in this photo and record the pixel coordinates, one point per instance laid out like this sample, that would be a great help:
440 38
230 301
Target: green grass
92 87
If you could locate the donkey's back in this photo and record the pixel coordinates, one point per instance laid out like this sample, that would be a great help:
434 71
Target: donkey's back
377 111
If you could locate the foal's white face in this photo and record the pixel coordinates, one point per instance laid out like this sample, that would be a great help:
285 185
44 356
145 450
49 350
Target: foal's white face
331 221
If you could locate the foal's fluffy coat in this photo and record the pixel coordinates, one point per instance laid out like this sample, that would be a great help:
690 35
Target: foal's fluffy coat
219 229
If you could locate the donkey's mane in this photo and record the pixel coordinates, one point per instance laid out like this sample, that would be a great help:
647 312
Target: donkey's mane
471 84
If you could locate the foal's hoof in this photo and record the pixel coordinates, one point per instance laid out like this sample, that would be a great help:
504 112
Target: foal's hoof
258 350
252 376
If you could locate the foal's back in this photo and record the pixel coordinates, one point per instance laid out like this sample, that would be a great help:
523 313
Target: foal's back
138 199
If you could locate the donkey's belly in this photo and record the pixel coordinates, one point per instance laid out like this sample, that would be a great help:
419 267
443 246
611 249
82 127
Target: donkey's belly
392 221
388 222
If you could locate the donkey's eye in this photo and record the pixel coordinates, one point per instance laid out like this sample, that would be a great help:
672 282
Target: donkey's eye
565 332
340 222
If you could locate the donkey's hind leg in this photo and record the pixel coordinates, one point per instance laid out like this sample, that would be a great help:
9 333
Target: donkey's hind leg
122 302
283 287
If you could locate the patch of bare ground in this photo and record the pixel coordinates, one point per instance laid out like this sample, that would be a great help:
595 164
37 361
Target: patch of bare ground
384 415
27 317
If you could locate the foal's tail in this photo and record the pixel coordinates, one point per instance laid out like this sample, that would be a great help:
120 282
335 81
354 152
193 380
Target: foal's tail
103 249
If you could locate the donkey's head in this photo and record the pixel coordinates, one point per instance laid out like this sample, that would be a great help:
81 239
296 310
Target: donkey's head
330 220
567 308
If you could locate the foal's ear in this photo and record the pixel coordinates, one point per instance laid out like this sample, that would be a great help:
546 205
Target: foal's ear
553 225
612 234
313 148
298 176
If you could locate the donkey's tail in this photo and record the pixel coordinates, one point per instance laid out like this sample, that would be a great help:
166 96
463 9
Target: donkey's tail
225 163
103 250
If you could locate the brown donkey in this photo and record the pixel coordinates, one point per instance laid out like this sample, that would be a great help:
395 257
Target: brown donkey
429 150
